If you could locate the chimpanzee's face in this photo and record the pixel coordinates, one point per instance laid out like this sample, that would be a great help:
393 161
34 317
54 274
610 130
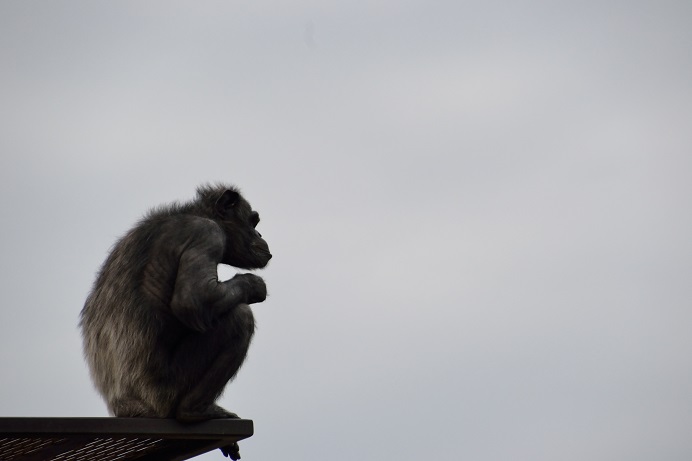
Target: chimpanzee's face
245 247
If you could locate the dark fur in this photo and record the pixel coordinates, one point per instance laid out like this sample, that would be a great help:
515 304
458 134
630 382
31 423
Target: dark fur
162 336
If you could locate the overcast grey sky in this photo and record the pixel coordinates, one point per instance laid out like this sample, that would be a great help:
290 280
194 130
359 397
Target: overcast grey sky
480 212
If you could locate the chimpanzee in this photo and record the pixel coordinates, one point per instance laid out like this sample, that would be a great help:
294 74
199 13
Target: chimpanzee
162 335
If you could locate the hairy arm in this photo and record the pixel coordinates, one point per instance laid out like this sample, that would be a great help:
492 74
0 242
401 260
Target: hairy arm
198 296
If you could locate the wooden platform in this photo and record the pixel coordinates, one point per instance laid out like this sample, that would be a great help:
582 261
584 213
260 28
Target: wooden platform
105 439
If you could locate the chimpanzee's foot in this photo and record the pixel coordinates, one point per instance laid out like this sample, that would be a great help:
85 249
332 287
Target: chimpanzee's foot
195 415
132 408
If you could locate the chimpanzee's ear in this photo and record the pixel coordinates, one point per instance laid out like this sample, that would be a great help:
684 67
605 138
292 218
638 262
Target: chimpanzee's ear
227 201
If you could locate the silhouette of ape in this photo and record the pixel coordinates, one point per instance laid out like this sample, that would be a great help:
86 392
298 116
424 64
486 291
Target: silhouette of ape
162 335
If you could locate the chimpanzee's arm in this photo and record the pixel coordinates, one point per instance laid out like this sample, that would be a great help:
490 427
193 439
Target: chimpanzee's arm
198 296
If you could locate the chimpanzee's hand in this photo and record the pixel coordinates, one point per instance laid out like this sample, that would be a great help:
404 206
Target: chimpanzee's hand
252 286
231 451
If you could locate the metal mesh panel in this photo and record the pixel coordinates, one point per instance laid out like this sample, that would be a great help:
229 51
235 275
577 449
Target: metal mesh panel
15 448
110 450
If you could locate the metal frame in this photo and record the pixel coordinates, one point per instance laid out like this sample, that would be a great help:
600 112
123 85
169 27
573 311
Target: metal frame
106 439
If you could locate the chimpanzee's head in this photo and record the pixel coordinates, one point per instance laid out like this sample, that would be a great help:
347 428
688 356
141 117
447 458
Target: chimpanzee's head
245 247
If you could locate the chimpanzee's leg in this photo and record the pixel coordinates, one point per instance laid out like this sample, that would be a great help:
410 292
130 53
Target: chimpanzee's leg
207 361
